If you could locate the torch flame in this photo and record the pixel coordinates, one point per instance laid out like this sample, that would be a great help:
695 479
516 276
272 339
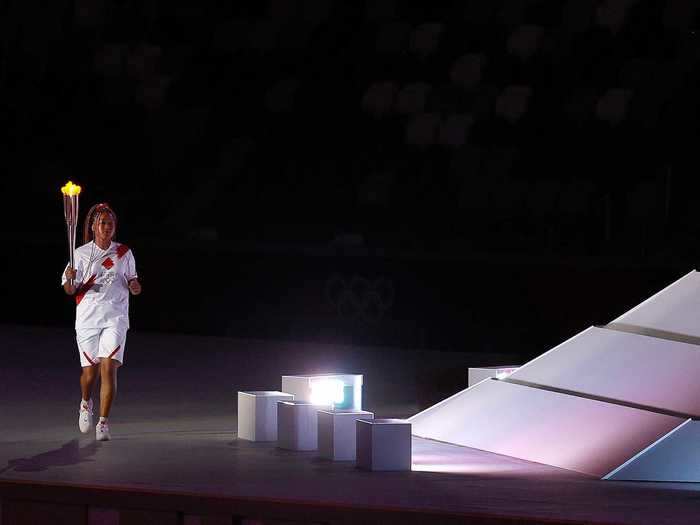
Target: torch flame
70 189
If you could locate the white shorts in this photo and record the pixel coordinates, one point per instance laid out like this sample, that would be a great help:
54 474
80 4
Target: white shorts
96 343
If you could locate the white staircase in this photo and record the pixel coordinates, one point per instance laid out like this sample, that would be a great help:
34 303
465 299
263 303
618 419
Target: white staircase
616 402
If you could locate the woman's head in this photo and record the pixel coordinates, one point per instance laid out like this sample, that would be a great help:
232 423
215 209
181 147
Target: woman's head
100 223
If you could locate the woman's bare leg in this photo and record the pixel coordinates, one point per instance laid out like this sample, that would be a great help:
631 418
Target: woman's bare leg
108 384
87 381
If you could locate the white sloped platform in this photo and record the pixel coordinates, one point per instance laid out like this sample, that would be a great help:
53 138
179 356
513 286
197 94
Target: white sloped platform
675 457
565 431
625 367
673 310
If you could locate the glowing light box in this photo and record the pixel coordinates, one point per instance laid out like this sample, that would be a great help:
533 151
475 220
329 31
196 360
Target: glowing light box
339 391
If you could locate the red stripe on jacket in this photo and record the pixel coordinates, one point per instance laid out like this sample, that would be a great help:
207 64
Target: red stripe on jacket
84 289
122 250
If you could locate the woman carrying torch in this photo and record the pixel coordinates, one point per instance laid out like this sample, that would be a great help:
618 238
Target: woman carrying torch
103 275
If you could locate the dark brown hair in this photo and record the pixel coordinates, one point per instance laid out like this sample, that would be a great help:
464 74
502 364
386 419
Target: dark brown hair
93 215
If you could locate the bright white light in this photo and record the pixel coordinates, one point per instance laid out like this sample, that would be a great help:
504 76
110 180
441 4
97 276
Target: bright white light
327 391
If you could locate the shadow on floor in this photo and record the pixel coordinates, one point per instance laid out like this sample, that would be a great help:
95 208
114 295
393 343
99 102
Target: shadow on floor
70 453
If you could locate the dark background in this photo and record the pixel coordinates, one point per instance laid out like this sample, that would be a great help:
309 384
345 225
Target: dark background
482 176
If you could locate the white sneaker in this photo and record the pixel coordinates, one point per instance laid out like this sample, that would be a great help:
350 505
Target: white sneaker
102 432
85 417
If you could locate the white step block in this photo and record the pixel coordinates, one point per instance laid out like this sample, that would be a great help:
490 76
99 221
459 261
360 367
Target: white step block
257 414
547 427
337 434
383 444
297 425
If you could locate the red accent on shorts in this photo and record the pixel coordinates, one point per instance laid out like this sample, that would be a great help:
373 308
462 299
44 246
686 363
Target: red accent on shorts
108 263
88 358
122 250
84 289
115 351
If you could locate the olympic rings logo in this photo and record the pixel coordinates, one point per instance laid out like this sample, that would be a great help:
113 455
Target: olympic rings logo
360 298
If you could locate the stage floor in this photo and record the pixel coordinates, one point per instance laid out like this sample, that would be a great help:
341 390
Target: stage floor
173 429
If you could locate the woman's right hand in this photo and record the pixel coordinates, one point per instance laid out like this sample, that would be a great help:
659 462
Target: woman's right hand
69 285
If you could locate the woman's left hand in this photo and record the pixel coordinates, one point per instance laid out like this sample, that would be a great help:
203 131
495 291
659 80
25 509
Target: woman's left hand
135 287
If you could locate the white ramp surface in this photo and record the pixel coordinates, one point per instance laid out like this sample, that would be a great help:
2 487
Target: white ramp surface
676 457
675 309
565 431
625 367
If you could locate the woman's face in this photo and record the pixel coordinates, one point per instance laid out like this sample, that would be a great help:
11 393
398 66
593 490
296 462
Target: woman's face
104 227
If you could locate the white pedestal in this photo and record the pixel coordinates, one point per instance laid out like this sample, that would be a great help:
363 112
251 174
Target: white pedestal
341 391
337 434
476 375
383 444
297 425
257 414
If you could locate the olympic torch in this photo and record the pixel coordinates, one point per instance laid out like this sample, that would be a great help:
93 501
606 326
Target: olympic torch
71 194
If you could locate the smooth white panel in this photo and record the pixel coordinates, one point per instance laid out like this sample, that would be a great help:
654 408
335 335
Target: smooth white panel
628 367
676 457
674 309
538 425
